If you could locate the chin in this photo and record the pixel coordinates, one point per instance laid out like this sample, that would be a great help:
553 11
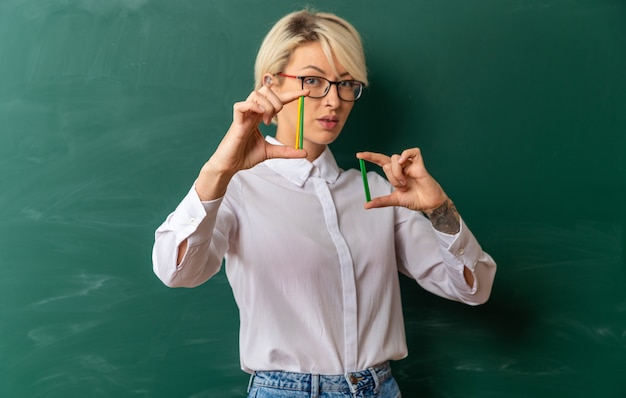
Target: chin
324 137
323 142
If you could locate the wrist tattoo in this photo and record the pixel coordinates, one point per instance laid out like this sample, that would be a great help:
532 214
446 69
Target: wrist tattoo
445 218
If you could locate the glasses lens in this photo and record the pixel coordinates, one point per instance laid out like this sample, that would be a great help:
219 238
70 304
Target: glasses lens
348 90
318 86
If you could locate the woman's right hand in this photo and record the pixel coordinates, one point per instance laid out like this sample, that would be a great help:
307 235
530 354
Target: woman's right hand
243 146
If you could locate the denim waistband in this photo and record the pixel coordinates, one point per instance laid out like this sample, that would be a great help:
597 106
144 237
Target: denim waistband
350 382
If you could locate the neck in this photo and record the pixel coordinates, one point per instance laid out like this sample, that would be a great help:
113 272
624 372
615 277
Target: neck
313 150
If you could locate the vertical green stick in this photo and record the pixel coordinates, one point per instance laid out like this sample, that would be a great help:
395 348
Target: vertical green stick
366 186
301 135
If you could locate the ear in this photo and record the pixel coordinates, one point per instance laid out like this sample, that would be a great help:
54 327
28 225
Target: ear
267 80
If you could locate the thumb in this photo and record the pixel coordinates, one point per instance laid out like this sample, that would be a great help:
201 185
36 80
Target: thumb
381 201
286 152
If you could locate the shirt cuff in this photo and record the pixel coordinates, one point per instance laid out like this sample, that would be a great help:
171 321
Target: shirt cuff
462 249
194 219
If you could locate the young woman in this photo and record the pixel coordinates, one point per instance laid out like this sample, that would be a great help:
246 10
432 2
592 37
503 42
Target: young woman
314 272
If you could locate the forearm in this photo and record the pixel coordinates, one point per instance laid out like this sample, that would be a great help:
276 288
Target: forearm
212 181
451 266
470 269
445 218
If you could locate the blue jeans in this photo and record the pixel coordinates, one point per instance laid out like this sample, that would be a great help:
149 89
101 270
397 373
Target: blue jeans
376 382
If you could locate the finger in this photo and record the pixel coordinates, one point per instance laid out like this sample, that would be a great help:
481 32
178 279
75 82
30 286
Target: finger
410 155
274 100
393 180
241 108
373 157
381 201
282 151
264 101
397 171
290 96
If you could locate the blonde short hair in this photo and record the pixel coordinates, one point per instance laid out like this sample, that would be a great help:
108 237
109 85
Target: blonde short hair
337 37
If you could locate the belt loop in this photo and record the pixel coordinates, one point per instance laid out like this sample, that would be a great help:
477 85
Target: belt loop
315 386
375 378
250 382
352 386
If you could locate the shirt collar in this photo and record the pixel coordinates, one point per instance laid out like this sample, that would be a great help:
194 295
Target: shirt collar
298 171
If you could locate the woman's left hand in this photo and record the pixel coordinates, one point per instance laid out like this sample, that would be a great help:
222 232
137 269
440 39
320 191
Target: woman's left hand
414 187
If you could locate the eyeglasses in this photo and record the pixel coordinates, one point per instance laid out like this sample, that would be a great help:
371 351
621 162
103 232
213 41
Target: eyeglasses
348 90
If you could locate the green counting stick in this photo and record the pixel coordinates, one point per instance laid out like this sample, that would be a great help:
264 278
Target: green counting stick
366 186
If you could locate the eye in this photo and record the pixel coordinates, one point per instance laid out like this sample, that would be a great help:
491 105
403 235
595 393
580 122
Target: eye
349 84
312 81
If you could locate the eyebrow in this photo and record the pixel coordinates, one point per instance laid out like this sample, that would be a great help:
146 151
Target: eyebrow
323 72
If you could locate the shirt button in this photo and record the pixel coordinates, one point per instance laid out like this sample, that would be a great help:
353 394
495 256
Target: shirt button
192 220
461 252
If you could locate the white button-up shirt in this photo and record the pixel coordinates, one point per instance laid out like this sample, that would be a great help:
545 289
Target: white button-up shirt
315 276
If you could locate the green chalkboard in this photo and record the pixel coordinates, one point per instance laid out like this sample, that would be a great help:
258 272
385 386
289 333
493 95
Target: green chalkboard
109 108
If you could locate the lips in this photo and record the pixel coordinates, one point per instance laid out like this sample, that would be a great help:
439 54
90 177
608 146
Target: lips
328 122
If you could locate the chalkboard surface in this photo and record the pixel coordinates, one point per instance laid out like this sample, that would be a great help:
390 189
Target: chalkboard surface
109 108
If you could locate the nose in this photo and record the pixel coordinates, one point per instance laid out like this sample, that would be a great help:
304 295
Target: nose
331 98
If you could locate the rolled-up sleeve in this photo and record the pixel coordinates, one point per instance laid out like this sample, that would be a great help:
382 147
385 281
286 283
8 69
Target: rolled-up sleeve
197 222
437 260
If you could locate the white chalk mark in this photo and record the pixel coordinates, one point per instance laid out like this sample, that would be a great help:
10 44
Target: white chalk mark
90 284
47 335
